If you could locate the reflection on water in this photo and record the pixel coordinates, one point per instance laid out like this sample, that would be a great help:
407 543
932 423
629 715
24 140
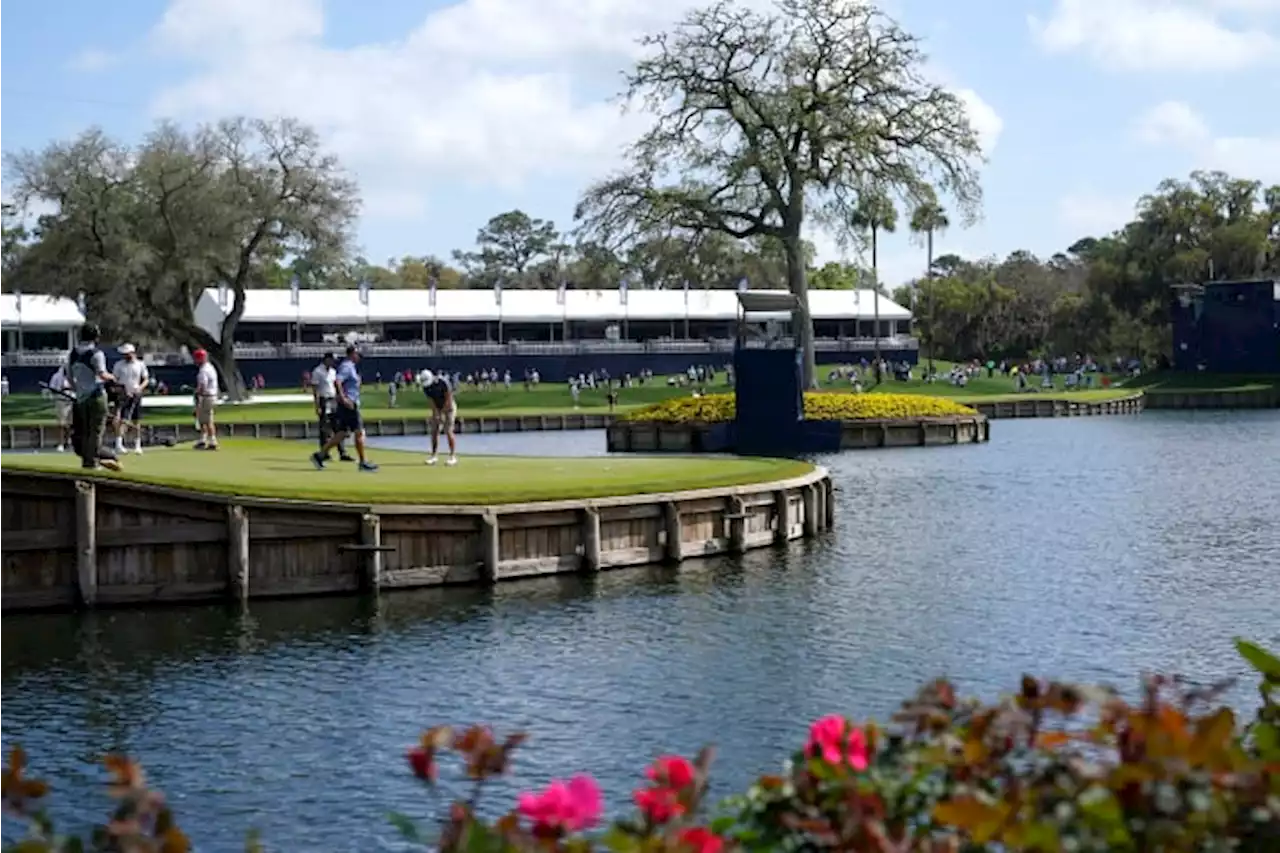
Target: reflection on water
1081 548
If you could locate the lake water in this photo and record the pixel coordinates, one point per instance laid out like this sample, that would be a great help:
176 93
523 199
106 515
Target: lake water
1082 548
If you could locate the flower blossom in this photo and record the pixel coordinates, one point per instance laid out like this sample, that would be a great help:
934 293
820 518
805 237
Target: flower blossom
564 806
665 800
699 839
658 805
835 741
423 763
672 771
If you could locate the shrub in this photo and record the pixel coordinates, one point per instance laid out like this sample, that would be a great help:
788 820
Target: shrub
818 406
1053 767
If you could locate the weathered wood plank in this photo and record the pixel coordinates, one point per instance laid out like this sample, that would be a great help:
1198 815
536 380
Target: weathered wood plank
191 533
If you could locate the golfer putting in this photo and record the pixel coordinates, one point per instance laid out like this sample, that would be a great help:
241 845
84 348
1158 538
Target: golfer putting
444 414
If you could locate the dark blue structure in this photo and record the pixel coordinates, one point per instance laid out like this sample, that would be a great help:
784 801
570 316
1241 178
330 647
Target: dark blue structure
1227 327
769 394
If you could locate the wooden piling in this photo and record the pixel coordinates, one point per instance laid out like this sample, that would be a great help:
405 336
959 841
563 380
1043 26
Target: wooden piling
590 539
490 544
674 529
781 516
238 554
810 495
830 505
86 543
371 539
737 526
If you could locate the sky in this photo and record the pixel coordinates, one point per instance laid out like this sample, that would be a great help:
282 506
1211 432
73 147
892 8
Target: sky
451 112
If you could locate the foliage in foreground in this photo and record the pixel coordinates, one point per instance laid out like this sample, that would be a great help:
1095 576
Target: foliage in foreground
818 406
1054 767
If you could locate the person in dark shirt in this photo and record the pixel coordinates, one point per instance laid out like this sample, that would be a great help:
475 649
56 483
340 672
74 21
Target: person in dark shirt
444 413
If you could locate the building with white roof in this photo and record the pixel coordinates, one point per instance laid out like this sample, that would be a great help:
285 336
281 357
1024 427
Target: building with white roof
273 316
35 322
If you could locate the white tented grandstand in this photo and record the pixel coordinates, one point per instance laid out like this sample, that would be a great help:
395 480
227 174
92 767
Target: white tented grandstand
275 317
35 323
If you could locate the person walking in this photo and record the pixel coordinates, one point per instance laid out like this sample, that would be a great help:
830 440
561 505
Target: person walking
87 368
444 414
133 380
206 398
324 378
60 385
347 420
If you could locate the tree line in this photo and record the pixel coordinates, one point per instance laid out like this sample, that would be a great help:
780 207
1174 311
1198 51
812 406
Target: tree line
766 122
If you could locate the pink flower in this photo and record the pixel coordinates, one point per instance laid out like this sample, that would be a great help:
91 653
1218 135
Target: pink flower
672 771
658 805
564 806
832 739
698 839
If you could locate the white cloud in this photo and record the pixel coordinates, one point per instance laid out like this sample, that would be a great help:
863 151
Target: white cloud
92 60
495 92
1095 213
1163 35
1175 124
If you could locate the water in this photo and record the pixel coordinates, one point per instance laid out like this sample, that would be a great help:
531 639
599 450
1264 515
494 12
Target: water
1082 548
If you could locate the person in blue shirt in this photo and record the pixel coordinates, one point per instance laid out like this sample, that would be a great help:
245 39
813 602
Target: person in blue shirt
346 419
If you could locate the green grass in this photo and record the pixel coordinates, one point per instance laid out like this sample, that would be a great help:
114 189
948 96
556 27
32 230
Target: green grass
281 469
1168 381
546 399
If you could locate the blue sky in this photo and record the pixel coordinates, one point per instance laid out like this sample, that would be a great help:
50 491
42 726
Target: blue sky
451 112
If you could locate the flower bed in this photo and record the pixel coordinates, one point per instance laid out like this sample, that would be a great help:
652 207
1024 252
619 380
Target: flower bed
818 406
1053 767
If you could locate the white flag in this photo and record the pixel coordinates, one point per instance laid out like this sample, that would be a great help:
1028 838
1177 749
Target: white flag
364 292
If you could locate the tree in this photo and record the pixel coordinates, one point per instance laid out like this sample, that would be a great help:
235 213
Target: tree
143 231
929 218
874 213
508 246
767 120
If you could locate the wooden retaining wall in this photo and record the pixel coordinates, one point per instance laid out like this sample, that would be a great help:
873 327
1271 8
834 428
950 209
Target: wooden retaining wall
657 437
77 542
45 436
1268 398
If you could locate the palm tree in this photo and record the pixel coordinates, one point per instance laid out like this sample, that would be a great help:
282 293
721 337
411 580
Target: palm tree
929 218
875 213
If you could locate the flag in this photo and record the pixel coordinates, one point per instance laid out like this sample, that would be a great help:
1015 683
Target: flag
686 293
432 284
622 290
560 292
497 291
222 296
742 284
81 303
364 292
294 296
17 299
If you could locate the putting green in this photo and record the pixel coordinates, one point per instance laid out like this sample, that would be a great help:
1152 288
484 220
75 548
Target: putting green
281 469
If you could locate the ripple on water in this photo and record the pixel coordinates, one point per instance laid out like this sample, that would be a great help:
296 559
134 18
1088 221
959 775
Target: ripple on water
1083 548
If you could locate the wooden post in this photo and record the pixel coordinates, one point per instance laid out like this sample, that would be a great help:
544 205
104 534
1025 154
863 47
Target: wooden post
810 494
371 537
820 505
737 526
489 547
781 516
87 543
238 554
674 528
590 539
830 487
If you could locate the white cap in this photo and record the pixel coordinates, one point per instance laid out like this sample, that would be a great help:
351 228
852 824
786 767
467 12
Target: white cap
425 378
126 349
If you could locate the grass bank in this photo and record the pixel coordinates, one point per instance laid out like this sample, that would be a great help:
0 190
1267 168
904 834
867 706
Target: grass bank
554 398
279 469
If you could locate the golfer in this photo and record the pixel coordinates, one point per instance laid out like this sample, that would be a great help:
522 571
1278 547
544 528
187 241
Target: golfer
87 367
444 412
324 380
206 397
347 418
133 379
60 385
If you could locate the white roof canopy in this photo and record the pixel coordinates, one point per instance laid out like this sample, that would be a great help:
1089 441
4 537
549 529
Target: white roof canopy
38 312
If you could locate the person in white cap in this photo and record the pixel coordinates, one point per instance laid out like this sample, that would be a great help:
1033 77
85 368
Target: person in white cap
444 411
133 379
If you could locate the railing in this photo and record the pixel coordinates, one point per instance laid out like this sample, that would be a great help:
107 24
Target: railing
446 349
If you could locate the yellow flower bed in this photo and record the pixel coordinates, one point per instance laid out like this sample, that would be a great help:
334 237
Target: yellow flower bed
818 406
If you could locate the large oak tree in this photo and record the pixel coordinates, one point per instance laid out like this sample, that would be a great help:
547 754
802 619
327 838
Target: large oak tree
765 121
142 231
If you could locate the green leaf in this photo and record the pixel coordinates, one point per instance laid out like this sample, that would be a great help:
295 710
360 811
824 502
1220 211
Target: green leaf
619 840
405 826
1266 738
1259 658
722 825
